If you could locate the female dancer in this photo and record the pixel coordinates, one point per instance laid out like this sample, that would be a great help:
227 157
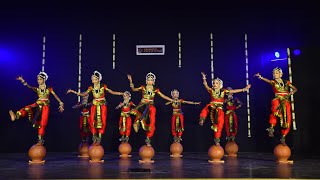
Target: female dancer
177 120
280 105
215 107
98 110
38 112
145 112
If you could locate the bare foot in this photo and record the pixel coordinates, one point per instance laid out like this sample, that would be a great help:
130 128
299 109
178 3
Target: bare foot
12 115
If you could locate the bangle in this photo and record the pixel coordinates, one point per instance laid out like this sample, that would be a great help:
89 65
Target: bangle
242 89
131 85
260 77
25 83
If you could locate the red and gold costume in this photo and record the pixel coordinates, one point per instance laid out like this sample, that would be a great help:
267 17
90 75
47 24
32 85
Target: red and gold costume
177 120
231 119
84 119
98 110
215 108
145 112
125 121
38 112
280 106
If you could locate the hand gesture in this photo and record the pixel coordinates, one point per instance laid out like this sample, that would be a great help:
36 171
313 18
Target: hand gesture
203 75
61 109
20 78
70 91
247 87
258 74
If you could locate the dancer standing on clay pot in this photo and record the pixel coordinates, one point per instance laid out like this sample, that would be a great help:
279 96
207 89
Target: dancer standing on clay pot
177 120
145 111
280 105
215 107
98 110
38 112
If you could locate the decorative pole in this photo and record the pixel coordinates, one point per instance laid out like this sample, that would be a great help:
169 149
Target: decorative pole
79 71
294 126
247 82
43 52
114 51
179 44
211 57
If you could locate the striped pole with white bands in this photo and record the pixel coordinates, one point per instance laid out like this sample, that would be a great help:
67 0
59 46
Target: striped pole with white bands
247 83
113 51
43 52
294 126
80 68
211 57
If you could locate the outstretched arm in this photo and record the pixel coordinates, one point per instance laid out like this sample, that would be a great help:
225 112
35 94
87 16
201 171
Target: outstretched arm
115 92
77 93
205 82
131 83
241 90
262 78
20 78
191 102
164 96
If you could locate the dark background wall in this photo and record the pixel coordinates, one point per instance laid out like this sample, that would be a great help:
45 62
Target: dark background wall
270 27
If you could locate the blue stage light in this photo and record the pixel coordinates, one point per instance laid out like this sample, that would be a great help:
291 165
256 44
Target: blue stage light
276 54
296 52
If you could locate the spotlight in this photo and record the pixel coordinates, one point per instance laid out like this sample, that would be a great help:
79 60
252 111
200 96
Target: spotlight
296 52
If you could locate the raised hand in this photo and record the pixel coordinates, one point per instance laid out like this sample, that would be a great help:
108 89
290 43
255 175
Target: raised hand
258 74
71 91
20 78
203 75
247 87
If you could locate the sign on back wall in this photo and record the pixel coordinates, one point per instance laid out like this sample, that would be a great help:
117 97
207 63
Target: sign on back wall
150 49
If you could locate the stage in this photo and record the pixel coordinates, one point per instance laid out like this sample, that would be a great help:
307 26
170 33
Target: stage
190 166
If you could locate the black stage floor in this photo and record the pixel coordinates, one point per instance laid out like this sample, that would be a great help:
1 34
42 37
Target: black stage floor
190 166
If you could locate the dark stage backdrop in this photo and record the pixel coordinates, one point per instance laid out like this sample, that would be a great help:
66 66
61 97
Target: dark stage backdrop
21 53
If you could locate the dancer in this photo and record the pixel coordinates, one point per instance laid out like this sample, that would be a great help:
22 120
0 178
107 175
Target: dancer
145 112
177 120
84 107
280 105
231 118
38 112
125 121
215 107
98 110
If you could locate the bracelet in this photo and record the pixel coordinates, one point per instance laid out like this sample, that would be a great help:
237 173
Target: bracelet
131 85
260 77
242 89
60 103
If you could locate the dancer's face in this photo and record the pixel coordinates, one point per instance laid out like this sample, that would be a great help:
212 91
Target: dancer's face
230 96
126 97
94 80
40 80
149 81
175 94
216 84
276 74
